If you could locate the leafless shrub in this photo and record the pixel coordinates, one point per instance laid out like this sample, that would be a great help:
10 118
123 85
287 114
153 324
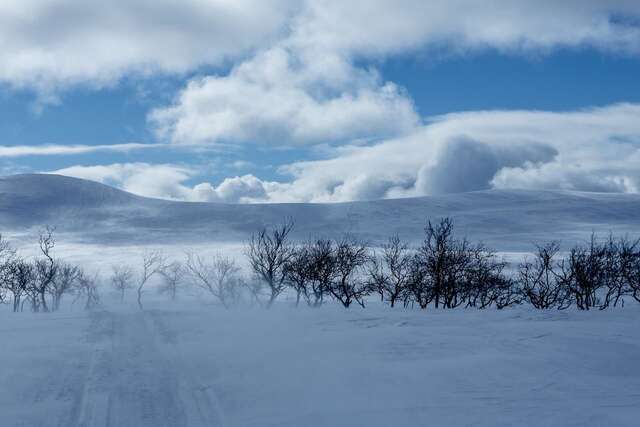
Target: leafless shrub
584 273
63 283
349 284
46 269
122 277
543 285
152 264
298 272
268 252
172 278
87 289
218 276
622 270
18 278
390 272
321 257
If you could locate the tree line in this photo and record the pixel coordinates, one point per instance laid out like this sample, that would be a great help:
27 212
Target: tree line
41 283
444 271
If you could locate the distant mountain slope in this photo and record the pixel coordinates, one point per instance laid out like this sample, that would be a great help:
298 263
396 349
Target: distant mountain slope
506 220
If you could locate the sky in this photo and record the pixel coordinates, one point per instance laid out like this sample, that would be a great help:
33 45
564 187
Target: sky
239 101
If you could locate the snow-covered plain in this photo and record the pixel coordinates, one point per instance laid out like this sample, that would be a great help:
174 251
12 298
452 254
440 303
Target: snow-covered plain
193 363
199 365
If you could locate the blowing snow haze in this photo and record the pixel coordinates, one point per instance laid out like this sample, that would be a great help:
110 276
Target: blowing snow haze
319 213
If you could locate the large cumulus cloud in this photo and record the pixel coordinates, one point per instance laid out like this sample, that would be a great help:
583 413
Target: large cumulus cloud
588 150
311 85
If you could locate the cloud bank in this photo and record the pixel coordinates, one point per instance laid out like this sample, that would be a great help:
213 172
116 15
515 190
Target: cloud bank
51 44
61 42
589 150
166 181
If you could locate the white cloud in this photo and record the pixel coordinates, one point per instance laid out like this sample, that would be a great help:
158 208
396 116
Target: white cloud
280 98
47 44
381 27
57 149
50 43
588 150
297 77
167 181
307 88
161 181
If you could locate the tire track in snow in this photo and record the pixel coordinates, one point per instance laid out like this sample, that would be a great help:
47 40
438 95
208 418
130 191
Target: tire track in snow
202 406
135 378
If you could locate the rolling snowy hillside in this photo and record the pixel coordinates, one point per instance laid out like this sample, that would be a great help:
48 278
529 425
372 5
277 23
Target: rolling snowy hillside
507 220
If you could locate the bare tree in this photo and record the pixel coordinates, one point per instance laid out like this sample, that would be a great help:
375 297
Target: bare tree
172 275
268 252
298 272
390 273
46 268
542 283
87 288
122 277
152 263
19 277
632 277
445 263
486 283
255 287
321 255
585 273
218 276
622 256
349 284
62 283
419 285
7 258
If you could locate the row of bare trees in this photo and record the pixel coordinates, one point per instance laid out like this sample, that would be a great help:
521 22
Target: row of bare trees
445 271
217 276
43 281
599 274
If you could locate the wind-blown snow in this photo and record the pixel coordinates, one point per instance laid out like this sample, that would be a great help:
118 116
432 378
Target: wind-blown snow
90 213
205 366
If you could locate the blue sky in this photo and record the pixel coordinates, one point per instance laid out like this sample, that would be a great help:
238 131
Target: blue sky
287 117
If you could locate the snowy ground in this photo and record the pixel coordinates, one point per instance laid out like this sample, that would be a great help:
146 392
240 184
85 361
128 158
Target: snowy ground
193 364
196 364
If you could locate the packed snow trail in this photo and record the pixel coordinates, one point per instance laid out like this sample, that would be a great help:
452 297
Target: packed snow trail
136 378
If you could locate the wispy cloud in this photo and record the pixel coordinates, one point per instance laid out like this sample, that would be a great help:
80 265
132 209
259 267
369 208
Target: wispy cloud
10 151
60 150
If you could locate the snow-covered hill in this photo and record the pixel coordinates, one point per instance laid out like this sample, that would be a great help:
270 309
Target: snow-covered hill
507 220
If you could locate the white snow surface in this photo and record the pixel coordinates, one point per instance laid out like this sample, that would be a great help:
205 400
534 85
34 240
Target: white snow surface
193 363
89 213
200 365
